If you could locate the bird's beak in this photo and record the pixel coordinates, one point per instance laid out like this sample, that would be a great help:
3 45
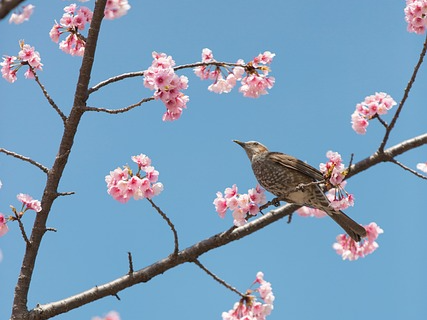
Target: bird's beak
240 143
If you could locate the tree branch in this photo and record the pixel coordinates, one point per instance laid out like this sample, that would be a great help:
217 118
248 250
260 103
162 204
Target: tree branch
48 97
7 6
216 278
388 154
19 309
405 96
169 222
144 275
23 158
116 111
192 253
141 73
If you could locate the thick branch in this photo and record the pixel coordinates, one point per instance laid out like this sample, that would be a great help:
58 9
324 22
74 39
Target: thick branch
388 154
23 158
19 309
192 253
7 6
144 275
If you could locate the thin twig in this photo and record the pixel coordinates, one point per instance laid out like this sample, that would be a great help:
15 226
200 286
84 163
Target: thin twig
405 96
117 296
122 110
23 158
21 227
47 96
169 222
216 278
408 169
115 79
385 125
130 263
51 229
68 193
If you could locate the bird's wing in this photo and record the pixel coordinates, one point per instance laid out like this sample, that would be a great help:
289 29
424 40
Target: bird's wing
295 164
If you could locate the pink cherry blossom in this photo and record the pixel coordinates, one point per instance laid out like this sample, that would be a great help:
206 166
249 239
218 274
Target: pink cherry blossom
3 226
422 167
242 205
415 15
255 83
112 315
311 212
248 308
352 250
115 9
220 204
72 21
372 106
29 203
167 85
22 15
27 56
122 184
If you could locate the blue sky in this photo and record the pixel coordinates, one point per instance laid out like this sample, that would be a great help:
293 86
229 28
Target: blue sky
329 56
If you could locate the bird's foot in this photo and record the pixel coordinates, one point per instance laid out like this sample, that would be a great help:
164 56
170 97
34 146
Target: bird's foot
275 202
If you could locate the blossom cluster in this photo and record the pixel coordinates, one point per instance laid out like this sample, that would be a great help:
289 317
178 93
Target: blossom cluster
122 184
334 172
248 308
27 56
112 315
116 8
422 166
241 204
373 105
253 84
161 78
352 250
22 15
415 15
73 21
28 203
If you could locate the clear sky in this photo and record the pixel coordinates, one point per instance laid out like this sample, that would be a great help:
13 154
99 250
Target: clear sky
329 56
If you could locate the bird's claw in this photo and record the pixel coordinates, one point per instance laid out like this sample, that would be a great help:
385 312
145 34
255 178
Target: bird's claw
275 202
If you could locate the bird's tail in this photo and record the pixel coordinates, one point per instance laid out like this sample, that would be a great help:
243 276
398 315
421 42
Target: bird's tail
353 229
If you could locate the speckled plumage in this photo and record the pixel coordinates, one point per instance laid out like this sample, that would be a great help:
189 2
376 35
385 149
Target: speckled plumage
283 176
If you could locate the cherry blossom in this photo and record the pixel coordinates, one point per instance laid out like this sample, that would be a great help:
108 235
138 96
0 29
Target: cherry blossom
22 15
422 167
242 205
167 85
29 203
372 106
122 184
3 226
352 250
115 9
248 308
26 57
254 84
112 315
334 172
415 15
73 21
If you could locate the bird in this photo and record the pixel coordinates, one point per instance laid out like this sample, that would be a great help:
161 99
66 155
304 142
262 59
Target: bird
295 181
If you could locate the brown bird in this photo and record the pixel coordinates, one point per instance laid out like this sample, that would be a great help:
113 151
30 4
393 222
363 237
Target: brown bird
291 180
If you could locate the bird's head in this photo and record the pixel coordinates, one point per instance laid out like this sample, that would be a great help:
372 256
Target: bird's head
252 148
